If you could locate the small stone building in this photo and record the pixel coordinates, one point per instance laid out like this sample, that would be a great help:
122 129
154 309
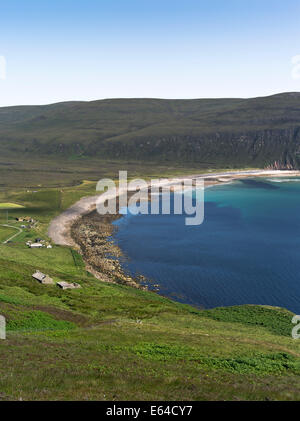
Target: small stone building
36 245
67 285
42 278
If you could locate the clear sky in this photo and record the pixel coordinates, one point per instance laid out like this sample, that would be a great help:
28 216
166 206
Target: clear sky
60 50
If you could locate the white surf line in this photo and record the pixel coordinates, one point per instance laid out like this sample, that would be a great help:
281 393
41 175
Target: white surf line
13 236
270 173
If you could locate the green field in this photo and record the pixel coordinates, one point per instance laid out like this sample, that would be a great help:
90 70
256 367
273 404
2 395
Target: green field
6 232
112 342
10 206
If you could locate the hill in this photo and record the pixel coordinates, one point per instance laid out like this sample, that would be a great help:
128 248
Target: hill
211 133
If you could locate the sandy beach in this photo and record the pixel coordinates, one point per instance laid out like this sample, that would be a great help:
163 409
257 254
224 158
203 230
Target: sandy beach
60 228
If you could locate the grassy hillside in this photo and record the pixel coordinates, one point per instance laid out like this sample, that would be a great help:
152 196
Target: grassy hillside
112 342
210 133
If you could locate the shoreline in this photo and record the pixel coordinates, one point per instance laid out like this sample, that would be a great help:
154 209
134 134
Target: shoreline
60 227
84 229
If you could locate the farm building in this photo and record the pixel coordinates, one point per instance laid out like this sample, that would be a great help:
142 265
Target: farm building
67 285
25 219
42 278
36 245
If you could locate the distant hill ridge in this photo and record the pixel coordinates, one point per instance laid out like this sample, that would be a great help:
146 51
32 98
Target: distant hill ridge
260 132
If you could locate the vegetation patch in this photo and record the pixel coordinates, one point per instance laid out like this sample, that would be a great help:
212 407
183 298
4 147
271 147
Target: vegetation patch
6 232
259 364
77 258
9 300
275 320
35 320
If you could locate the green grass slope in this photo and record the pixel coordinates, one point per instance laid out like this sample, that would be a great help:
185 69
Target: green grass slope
112 342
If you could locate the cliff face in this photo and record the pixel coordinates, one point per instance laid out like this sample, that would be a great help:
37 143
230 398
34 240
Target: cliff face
270 148
261 132
279 165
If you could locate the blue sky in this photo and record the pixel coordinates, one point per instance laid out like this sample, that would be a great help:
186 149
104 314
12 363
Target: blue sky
62 50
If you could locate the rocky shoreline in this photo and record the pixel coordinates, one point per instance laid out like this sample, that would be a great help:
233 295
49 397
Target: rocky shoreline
91 233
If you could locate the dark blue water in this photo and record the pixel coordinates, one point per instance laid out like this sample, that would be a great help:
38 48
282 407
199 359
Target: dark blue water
246 251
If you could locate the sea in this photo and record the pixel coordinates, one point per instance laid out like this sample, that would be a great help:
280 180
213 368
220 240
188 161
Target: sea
246 251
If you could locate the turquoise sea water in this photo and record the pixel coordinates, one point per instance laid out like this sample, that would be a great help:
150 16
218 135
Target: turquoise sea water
246 251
